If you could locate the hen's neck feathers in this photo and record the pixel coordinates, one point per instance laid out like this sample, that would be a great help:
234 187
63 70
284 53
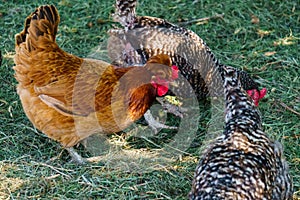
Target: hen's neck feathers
238 103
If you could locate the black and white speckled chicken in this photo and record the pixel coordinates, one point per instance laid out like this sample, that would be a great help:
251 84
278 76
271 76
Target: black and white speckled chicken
145 36
242 163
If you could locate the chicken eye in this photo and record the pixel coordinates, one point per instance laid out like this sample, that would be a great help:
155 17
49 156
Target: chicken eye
161 74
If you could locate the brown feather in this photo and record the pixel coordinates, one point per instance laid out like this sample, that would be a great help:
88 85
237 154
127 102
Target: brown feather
69 98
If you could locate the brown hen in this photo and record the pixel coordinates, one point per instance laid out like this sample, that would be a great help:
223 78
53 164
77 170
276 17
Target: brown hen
69 98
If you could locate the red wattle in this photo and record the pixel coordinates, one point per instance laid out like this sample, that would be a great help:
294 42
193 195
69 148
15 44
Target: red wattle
161 85
162 90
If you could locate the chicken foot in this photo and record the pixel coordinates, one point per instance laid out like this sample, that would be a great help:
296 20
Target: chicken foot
75 156
154 124
78 159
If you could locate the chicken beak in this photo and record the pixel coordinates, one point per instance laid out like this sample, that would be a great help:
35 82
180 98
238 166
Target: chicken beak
174 84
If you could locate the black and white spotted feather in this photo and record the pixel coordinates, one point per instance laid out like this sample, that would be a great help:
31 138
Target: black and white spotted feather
242 163
143 37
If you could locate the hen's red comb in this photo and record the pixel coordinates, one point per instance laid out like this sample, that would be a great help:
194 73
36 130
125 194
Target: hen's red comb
257 95
175 71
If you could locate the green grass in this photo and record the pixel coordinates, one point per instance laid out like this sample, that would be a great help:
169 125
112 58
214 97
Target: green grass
29 168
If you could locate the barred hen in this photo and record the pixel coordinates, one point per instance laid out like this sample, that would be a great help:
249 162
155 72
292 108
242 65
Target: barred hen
143 37
70 98
242 163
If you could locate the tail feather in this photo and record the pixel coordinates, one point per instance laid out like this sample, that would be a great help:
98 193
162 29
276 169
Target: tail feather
40 28
36 46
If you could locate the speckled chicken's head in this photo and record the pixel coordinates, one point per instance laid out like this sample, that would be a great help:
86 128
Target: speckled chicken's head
162 72
251 87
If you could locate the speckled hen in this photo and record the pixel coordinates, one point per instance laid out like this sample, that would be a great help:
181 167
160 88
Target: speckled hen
144 36
242 163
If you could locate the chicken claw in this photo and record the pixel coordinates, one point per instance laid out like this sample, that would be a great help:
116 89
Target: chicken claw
154 124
